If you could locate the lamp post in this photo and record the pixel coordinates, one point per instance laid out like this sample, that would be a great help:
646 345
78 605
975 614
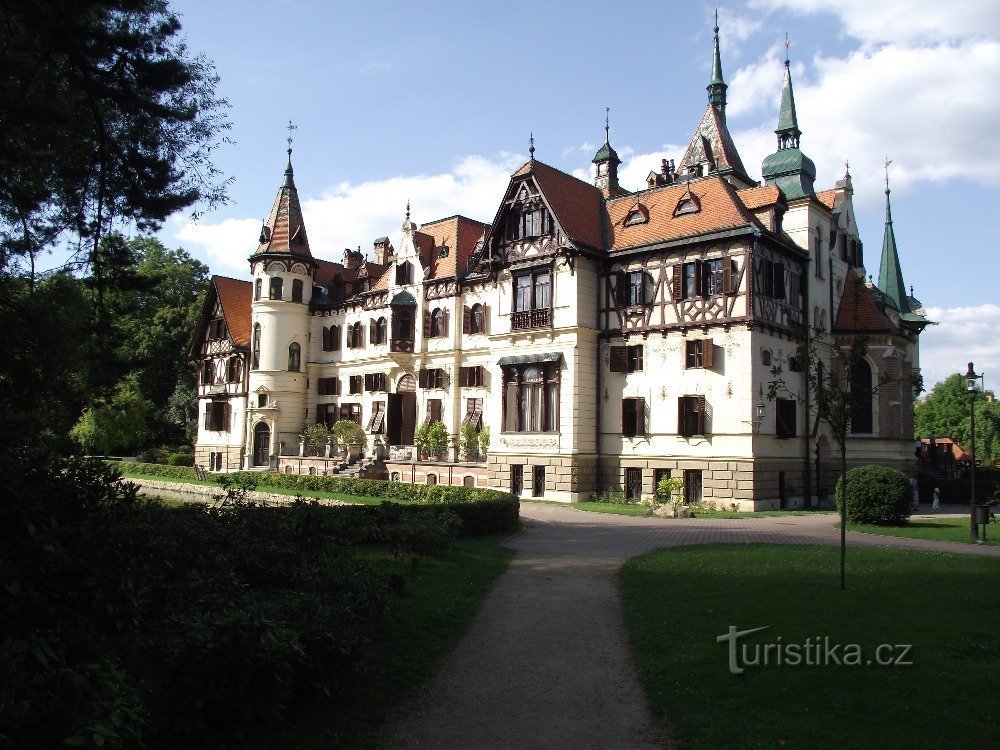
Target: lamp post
971 378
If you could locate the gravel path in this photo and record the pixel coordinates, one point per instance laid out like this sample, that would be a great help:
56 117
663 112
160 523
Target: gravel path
546 663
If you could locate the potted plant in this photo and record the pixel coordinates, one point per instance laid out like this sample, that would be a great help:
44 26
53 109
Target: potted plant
469 441
484 441
420 441
437 439
348 433
670 490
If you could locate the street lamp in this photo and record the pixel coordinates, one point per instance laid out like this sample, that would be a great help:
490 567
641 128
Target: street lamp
971 378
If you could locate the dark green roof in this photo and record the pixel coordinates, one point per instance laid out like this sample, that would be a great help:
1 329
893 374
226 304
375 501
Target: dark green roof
403 298
790 170
788 122
890 274
606 153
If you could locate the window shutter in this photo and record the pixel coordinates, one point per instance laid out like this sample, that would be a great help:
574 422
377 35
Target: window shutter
335 335
648 288
701 416
626 409
227 410
466 319
336 386
371 332
422 377
463 376
619 359
621 288
486 317
320 413
680 416
640 416
698 279
729 276
368 381
677 282
427 323
444 322
345 411
707 353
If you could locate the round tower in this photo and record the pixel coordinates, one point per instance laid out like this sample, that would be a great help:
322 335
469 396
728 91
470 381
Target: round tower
282 268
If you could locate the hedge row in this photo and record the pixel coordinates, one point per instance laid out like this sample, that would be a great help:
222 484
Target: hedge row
957 491
155 470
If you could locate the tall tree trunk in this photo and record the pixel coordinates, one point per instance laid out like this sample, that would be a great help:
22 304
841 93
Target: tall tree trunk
843 513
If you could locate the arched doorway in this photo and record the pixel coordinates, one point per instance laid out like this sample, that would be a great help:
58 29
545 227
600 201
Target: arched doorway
401 414
261 444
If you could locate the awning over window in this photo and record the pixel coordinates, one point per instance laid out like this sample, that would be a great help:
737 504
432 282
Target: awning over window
529 359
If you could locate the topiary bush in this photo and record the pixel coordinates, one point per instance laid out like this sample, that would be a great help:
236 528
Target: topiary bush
876 495
154 470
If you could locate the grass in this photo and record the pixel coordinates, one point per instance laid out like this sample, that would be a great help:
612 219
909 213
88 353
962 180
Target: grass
637 509
678 601
443 596
619 509
946 529
355 499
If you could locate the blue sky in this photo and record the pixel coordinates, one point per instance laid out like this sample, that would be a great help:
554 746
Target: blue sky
434 102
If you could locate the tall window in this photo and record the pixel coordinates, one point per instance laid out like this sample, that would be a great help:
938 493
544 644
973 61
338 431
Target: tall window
208 372
633 417
784 418
626 358
357 336
861 398
233 369
380 331
705 278
296 290
217 415
402 328
818 255
691 416
256 289
531 398
255 348
532 299
404 273
532 222
712 277
634 288
294 357
274 288
477 319
437 323
699 353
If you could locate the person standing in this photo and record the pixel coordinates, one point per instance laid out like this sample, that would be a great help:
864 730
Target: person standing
916 493
937 499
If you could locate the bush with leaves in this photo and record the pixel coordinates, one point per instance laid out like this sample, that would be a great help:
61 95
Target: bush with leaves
876 495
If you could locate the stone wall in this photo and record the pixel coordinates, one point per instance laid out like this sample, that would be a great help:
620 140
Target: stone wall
567 478
453 474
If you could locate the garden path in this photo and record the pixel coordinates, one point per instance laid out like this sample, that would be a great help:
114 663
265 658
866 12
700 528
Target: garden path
546 663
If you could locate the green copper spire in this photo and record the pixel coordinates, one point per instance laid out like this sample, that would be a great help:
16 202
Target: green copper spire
788 124
788 167
890 274
717 86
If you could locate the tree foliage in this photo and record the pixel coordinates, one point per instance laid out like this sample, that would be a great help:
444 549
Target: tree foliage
944 412
114 424
109 121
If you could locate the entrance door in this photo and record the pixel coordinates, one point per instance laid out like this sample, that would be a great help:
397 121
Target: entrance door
261 444
407 391
394 419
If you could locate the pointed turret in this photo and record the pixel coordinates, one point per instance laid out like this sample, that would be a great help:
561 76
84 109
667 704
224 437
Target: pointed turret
606 162
890 274
788 168
717 86
711 150
284 232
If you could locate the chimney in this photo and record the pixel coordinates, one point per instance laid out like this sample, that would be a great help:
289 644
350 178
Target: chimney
383 251
352 258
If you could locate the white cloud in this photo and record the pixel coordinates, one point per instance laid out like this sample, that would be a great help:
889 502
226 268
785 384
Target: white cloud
348 215
964 334
902 20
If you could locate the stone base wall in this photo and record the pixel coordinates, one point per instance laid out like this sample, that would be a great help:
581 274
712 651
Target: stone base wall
230 456
453 474
567 478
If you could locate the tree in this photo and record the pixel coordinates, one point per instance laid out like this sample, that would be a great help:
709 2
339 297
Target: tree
944 412
114 424
109 121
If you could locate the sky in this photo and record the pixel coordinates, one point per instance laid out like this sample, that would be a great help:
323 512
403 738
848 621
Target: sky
434 102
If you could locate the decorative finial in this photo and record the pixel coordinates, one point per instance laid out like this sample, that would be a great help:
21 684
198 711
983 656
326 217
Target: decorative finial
607 125
787 43
407 209
290 128
531 146
847 168
911 290
888 161
716 20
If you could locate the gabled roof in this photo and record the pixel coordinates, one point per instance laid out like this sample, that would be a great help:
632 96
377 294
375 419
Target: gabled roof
285 231
460 235
720 209
576 205
828 198
235 296
712 142
859 311
760 197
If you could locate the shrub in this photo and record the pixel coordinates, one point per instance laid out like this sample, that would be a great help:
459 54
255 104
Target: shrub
877 495
611 496
437 438
469 439
155 470
347 432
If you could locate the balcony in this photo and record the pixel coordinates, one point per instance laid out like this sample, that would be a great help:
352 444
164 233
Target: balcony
401 345
523 320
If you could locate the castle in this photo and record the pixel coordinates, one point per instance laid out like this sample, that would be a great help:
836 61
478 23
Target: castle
606 337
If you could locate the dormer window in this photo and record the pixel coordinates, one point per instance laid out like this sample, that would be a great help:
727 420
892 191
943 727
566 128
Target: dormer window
443 251
404 273
688 204
529 222
638 215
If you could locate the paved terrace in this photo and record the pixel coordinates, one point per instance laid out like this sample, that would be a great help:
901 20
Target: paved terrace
546 664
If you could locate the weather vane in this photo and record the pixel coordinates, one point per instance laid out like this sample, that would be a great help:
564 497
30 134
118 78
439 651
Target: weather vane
290 128
888 161
531 146
607 124
787 43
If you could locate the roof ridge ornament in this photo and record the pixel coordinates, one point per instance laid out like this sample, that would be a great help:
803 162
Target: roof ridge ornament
531 146
289 174
717 85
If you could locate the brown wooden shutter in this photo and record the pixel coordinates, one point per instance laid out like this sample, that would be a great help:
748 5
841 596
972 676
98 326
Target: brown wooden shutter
371 332
701 416
345 411
466 319
698 274
320 413
463 376
621 288
728 276
677 282
640 416
486 318
707 353
619 359
422 377
336 387
427 323
680 415
626 407
335 335
444 322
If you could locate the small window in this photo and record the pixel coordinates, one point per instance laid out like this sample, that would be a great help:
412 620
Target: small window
699 353
354 384
538 481
765 357
517 479
274 288
633 417
784 418
255 348
443 251
633 483
207 372
437 323
261 400
256 289
638 215
692 486
296 290
432 479
294 357
468 481
626 358
404 273
688 204
477 319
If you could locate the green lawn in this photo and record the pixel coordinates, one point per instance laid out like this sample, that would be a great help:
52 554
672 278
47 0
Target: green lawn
425 624
636 509
618 509
356 499
944 605
950 529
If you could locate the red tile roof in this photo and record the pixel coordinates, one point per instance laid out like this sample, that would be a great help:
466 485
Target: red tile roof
285 231
712 143
827 198
235 297
759 197
858 309
577 205
720 209
460 234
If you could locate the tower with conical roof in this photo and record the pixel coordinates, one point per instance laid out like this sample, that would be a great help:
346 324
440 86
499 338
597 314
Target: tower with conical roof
890 273
282 267
788 168
606 163
711 150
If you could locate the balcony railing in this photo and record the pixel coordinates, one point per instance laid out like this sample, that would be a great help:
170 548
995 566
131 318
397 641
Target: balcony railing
521 320
401 345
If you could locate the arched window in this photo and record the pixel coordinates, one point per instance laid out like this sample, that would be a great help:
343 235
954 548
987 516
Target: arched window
357 332
274 290
437 322
255 348
294 357
861 398
233 369
477 323
381 331
432 479
296 290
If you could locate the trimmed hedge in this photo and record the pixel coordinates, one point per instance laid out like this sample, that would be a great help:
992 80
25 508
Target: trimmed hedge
155 470
957 491
876 495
